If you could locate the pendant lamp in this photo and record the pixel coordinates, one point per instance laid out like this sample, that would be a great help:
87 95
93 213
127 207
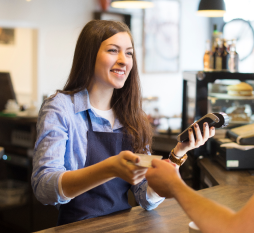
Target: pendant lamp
211 8
132 4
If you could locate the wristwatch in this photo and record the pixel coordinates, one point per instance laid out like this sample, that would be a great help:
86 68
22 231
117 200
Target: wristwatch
178 161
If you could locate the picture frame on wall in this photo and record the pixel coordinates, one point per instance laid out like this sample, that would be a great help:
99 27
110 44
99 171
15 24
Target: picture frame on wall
161 32
7 36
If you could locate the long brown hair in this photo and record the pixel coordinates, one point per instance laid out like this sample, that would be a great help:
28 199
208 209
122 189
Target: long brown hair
127 101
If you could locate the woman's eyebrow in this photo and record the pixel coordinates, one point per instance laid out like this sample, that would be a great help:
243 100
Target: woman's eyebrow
119 46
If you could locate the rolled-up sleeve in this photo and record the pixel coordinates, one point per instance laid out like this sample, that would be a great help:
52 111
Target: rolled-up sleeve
140 194
49 151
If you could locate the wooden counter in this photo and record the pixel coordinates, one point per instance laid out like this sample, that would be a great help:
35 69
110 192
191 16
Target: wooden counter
233 189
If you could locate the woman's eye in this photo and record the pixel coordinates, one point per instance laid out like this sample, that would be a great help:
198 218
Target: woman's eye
112 50
130 53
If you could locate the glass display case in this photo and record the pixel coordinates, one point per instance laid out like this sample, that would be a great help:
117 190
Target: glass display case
205 92
239 107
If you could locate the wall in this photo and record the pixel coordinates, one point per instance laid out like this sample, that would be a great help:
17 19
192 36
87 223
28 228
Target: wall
193 34
59 22
20 60
194 31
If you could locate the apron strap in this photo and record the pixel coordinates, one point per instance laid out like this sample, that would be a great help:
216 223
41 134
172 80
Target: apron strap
90 127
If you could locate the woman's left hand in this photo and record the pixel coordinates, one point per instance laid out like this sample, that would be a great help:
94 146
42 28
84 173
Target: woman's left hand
182 147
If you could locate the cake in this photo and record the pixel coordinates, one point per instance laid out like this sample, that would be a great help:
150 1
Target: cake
239 113
240 89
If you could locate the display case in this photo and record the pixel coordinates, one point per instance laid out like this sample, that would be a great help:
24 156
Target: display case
205 92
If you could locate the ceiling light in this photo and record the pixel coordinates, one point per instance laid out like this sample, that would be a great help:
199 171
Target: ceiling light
132 4
211 8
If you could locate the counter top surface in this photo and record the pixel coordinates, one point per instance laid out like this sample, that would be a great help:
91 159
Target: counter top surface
233 190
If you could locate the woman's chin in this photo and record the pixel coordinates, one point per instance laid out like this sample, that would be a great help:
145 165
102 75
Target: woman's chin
119 85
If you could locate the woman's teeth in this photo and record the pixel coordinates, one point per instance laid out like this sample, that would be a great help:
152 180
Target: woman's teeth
118 72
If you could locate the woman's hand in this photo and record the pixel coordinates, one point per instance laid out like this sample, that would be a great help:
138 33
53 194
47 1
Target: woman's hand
123 167
182 147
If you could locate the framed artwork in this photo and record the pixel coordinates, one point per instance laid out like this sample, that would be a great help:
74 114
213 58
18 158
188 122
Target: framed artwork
105 15
7 35
161 37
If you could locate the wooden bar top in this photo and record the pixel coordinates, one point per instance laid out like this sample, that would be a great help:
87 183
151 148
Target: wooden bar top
233 189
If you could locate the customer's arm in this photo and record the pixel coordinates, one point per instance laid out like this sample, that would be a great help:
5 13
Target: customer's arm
208 215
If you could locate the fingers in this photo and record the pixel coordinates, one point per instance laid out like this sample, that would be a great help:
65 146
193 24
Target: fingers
200 137
127 170
156 162
137 176
140 171
205 131
196 138
138 180
129 156
191 137
211 132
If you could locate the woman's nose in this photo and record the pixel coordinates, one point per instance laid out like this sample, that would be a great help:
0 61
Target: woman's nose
122 60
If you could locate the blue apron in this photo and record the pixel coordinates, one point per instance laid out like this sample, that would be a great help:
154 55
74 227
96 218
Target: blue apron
106 198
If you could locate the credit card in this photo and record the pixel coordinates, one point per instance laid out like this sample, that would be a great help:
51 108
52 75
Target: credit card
146 160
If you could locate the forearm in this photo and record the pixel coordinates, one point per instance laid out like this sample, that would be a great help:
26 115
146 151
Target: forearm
208 215
82 180
179 151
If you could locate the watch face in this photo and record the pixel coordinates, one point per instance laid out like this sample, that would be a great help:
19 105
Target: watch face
242 31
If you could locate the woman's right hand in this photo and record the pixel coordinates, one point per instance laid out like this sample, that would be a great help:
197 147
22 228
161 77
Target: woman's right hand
182 147
123 166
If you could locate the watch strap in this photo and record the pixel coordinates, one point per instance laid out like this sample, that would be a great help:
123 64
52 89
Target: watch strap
179 161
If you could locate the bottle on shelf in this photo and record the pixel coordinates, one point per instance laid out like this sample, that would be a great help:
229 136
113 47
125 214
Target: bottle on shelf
233 57
213 56
207 56
218 55
224 55
215 35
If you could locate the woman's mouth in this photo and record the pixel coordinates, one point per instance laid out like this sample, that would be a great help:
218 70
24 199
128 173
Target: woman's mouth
121 72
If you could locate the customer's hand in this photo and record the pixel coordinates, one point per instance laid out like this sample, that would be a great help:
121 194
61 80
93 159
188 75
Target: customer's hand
162 177
182 147
123 167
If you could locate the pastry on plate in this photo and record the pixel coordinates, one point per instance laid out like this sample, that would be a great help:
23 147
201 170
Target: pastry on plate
240 89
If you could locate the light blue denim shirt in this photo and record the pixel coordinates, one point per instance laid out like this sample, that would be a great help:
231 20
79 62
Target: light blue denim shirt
62 145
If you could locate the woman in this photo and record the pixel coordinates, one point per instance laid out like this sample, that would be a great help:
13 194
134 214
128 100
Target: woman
88 131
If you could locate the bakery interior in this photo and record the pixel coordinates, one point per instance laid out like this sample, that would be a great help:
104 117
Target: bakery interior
190 64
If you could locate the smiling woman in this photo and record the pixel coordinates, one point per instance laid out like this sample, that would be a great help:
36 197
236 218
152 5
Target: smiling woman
88 131
83 158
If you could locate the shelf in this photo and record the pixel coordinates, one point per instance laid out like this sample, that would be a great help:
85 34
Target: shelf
19 120
4 206
229 97
240 122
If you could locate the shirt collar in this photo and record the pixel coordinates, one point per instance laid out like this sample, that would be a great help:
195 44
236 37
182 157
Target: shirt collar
82 103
